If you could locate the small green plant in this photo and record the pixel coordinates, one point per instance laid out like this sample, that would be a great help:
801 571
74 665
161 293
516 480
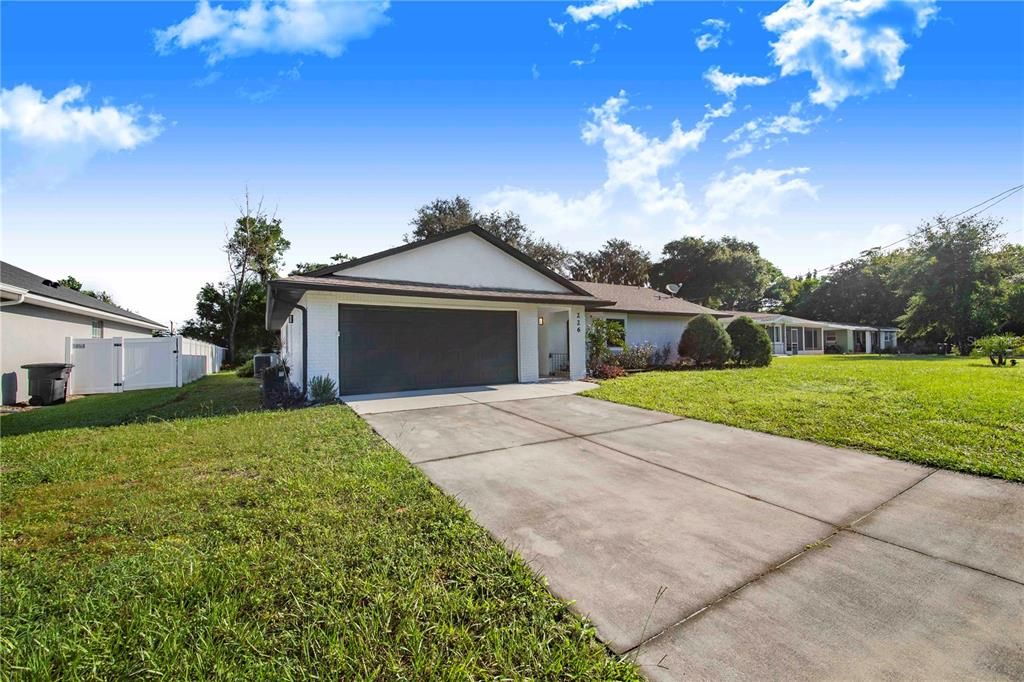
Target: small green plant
705 342
245 369
322 389
601 336
999 347
751 346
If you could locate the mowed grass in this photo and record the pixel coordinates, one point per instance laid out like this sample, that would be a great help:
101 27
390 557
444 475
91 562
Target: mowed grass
216 394
255 545
954 413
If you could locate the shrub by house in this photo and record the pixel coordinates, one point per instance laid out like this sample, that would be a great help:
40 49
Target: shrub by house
751 346
705 342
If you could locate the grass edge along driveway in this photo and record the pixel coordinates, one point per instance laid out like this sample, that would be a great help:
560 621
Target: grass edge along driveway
258 545
952 413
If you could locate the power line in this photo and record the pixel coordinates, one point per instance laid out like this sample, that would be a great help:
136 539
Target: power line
1002 196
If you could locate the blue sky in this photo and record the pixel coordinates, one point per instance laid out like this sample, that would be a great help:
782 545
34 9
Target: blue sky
130 130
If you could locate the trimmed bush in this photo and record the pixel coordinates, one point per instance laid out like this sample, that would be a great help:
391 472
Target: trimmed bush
751 346
322 389
608 372
705 342
245 369
637 357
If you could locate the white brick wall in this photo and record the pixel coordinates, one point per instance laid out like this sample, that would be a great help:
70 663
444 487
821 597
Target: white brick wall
323 331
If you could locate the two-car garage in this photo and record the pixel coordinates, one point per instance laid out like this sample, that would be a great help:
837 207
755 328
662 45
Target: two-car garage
383 349
463 308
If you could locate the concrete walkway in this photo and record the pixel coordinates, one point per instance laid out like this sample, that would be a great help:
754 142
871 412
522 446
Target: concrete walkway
714 552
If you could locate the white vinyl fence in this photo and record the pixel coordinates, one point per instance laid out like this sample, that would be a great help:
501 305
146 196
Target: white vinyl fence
128 364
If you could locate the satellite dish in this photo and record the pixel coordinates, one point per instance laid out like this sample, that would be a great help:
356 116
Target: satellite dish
672 288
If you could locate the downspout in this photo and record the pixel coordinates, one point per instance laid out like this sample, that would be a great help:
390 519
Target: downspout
305 348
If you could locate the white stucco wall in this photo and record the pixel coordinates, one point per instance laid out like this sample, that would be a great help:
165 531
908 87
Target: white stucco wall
466 260
30 333
323 331
654 329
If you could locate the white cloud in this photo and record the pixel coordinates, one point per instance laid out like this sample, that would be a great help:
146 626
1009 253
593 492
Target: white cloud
208 79
558 28
633 193
728 83
622 26
602 9
752 195
281 26
47 140
716 28
850 47
30 118
593 26
293 73
535 72
765 132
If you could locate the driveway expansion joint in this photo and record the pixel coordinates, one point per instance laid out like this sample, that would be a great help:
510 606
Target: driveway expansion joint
837 529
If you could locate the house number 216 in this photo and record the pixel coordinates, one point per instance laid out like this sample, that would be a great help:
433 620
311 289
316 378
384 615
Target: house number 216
579 323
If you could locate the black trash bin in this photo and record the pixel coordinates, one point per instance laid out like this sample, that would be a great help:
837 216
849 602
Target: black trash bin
48 382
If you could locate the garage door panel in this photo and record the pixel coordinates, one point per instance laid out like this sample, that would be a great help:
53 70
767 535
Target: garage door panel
395 349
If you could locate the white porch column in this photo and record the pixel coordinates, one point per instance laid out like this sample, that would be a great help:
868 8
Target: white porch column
849 340
867 342
529 367
577 342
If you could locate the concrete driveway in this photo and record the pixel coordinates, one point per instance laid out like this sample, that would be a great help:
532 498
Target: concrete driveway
714 552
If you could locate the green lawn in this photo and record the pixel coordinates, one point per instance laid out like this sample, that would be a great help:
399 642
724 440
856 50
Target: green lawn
208 539
954 413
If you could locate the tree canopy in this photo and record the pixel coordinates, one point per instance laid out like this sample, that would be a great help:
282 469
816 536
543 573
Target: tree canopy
725 273
446 215
70 282
951 277
617 262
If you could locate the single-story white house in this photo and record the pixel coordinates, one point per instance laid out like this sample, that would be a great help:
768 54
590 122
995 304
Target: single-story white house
646 315
37 314
796 336
460 309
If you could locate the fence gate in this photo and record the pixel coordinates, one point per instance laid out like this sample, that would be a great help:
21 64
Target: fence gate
128 364
97 365
150 362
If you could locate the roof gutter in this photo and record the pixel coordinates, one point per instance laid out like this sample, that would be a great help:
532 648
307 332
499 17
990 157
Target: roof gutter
17 291
46 302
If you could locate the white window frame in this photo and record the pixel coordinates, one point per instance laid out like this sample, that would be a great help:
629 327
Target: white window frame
97 326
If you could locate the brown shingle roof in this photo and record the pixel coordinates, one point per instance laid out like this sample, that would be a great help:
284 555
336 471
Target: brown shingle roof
630 299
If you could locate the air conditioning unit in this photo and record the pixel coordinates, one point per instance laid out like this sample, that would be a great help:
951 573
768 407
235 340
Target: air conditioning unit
261 361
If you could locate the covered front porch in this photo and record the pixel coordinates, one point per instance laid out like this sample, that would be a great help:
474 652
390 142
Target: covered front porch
796 338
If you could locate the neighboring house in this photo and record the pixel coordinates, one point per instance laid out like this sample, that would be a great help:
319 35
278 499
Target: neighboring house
796 336
460 309
36 314
646 315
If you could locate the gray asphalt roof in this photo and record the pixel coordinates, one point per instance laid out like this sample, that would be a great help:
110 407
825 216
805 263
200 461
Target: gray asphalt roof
16 277
632 299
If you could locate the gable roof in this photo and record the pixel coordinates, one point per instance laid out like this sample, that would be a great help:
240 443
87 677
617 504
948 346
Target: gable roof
632 299
14 276
469 229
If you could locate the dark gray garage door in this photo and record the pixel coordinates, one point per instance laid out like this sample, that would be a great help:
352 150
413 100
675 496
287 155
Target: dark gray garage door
401 349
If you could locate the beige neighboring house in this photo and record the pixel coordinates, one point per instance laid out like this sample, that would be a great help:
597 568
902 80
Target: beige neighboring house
36 316
796 336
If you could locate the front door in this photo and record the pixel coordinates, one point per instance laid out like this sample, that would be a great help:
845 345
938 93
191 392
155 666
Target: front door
794 340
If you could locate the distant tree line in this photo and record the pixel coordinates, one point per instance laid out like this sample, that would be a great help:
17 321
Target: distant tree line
955 280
